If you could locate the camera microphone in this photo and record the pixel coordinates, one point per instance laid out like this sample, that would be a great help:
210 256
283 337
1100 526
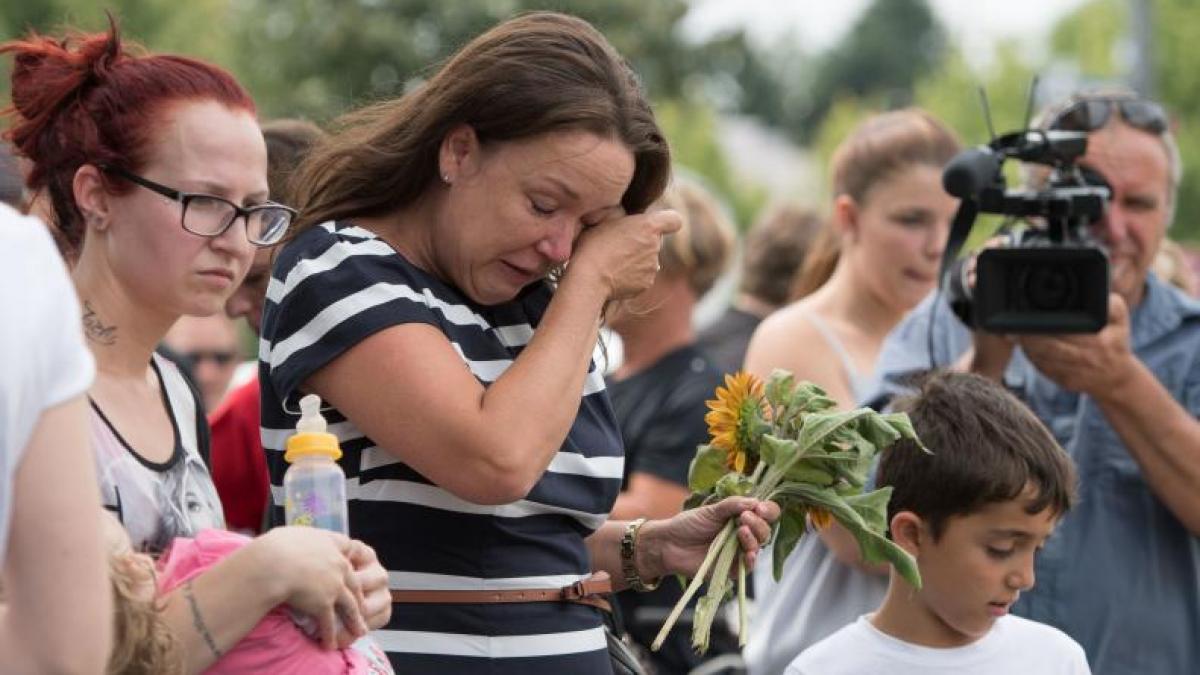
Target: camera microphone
970 171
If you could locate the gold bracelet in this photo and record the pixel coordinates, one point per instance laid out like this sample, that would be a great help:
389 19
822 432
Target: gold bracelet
628 567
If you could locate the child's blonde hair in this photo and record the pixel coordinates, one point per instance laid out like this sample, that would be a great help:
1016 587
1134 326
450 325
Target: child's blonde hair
142 641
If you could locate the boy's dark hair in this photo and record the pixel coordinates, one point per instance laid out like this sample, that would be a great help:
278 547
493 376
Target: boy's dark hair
987 447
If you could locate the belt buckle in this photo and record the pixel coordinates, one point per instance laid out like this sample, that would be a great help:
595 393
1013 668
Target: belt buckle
574 591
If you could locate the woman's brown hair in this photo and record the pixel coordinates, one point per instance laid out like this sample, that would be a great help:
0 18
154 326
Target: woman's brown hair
877 149
537 73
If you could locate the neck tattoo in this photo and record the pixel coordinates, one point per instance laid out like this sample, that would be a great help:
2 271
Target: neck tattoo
94 328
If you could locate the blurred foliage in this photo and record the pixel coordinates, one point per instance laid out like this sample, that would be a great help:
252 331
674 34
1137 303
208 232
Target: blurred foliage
692 132
891 46
196 28
1177 71
1094 39
1089 37
328 54
316 58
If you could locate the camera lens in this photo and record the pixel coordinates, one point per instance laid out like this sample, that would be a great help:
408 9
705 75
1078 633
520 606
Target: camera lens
1049 288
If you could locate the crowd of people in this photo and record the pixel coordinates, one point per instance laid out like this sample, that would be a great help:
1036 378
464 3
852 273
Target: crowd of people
438 268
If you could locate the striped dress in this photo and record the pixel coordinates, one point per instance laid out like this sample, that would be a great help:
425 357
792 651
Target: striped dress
337 284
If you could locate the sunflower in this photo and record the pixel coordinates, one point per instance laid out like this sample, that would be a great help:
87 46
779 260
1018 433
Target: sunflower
733 415
820 518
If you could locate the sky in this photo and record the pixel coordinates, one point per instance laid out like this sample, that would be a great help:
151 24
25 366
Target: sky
973 24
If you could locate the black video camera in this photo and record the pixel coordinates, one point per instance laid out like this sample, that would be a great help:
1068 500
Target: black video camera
1043 280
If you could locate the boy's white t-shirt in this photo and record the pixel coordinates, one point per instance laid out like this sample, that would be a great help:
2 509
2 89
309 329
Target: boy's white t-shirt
1013 645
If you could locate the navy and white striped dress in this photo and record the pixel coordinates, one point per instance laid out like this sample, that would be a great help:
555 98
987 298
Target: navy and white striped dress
337 284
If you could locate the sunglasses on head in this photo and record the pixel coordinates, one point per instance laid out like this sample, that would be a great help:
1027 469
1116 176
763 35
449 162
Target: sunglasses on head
1092 113
221 358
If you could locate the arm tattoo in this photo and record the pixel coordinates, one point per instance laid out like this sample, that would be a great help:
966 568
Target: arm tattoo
198 620
95 329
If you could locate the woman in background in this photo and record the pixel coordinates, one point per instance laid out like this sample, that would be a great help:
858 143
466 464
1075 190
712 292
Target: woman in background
876 259
155 171
658 395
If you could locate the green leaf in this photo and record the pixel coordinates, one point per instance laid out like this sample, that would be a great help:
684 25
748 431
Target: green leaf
756 428
788 530
809 471
734 484
779 387
696 500
777 450
810 398
707 468
872 506
868 531
879 431
822 427
903 426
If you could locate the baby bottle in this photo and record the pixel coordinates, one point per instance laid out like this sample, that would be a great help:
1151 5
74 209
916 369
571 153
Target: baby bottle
314 486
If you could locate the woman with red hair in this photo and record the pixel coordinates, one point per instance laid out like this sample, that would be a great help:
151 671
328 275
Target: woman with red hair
154 172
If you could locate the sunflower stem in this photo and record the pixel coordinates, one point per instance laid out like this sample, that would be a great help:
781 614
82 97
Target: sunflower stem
694 586
718 586
743 624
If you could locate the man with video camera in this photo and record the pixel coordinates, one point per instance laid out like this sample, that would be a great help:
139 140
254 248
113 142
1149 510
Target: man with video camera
1122 574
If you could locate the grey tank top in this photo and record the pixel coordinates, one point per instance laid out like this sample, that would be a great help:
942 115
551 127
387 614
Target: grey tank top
861 385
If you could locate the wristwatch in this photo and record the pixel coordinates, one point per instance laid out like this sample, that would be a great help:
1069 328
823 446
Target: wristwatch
628 568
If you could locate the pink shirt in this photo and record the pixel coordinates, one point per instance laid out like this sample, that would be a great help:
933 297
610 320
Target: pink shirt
276 644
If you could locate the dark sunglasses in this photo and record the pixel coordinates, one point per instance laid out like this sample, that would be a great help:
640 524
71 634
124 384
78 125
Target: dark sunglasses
220 358
1090 114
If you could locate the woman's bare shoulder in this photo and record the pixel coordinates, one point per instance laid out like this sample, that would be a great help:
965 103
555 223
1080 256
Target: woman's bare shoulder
788 339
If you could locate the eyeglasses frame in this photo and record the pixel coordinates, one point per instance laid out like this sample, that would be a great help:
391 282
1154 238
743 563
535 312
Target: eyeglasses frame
185 197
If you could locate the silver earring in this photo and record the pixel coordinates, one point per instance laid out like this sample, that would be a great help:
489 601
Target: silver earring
446 178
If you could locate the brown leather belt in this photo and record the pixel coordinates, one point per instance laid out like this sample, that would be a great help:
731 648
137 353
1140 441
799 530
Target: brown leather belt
589 591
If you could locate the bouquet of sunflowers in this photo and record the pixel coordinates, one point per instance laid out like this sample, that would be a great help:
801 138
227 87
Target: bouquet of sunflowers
787 442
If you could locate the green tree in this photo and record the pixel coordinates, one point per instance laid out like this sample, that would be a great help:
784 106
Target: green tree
691 129
197 28
1094 37
1088 37
891 46
317 57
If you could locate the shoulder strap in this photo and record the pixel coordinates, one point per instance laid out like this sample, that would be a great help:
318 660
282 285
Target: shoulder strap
834 343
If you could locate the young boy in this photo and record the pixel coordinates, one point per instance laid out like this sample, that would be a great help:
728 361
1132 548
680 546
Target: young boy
973 514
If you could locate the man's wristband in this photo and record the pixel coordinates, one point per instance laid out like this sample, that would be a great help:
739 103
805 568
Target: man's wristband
628 552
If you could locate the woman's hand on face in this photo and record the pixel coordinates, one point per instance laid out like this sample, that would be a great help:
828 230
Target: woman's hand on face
678 545
622 253
320 580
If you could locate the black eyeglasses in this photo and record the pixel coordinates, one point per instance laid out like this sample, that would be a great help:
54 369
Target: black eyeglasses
1092 113
209 215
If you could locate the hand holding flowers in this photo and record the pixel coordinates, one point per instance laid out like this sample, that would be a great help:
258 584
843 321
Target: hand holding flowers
786 443
680 544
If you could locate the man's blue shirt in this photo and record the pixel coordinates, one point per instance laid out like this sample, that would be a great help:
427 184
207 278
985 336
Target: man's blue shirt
1120 575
